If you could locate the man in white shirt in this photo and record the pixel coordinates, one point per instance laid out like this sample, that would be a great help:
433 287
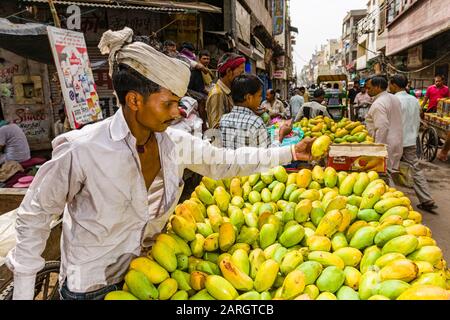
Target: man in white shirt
273 106
362 98
384 121
314 108
410 108
118 180
296 102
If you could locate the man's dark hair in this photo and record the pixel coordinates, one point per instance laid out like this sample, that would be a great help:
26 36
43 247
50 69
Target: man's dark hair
400 80
169 43
302 89
336 86
328 85
379 81
126 79
319 93
188 45
313 86
271 91
440 76
204 53
243 85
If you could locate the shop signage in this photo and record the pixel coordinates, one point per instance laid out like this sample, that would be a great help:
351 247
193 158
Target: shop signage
278 17
75 76
280 74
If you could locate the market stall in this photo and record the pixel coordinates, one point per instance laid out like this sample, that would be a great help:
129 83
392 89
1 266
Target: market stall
435 127
337 104
317 233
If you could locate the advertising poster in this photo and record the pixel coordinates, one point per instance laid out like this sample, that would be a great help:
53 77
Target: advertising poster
75 75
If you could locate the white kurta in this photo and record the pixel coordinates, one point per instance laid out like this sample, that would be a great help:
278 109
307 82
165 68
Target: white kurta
384 123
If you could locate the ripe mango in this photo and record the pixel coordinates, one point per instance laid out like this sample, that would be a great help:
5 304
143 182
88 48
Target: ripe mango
140 286
338 241
433 278
352 277
337 203
326 259
165 256
350 256
292 178
330 177
395 211
320 146
311 194
346 187
304 178
280 174
329 224
211 243
167 289
267 235
248 235
227 236
425 292
384 205
239 279
219 288
266 275
405 245
425 241
401 269
431 254
290 262
302 210
293 285
419 230
215 217
368 215
389 233
289 189
197 245
317 213
353 228
331 279
204 195
183 228
235 188
319 243
277 192
151 269
120 295
326 296
387 258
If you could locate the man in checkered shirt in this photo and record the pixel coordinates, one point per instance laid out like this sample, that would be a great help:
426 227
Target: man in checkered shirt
242 127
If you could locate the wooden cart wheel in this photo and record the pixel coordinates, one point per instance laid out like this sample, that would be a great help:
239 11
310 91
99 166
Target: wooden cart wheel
430 144
46 286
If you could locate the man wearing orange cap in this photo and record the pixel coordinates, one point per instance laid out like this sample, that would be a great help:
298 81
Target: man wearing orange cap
219 100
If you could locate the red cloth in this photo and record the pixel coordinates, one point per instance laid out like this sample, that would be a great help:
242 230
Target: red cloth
434 94
231 64
32 162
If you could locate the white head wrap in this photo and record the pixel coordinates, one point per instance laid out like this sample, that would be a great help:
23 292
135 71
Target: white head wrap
170 73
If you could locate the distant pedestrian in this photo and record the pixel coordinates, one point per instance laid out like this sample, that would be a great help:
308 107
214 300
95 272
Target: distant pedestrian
296 102
434 93
304 93
410 108
314 108
354 91
59 124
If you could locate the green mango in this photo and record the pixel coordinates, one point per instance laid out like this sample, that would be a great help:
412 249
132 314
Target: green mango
347 293
292 236
392 288
388 233
338 241
405 245
259 186
371 254
267 235
280 174
140 286
311 270
368 285
254 197
331 279
289 190
278 191
295 195
266 195
363 237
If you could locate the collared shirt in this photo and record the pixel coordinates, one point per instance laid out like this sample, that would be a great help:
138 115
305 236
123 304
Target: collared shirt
434 94
316 109
384 123
95 177
277 107
410 118
296 103
242 128
219 103
362 98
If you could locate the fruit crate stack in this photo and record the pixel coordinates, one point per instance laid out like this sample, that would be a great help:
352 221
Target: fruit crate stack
313 235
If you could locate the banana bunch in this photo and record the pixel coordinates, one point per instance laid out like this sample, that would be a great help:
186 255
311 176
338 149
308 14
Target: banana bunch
344 131
315 234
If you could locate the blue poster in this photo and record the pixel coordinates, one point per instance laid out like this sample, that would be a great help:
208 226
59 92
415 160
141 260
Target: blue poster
278 17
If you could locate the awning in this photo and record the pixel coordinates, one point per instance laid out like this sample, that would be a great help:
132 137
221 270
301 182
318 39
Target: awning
28 39
330 78
149 5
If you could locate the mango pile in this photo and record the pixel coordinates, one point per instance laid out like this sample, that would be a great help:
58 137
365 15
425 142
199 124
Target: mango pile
344 131
316 234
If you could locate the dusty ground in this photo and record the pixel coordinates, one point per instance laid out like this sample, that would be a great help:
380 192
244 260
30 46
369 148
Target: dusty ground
438 176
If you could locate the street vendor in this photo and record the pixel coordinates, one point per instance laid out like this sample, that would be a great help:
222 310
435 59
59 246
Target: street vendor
314 108
118 180
273 106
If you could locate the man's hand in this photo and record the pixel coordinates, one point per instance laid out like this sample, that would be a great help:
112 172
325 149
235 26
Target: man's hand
285 129
302 150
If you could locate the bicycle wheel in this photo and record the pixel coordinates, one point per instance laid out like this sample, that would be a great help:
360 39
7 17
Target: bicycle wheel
46 285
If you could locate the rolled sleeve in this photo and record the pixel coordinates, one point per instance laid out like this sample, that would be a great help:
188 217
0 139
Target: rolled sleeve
56 182
200 156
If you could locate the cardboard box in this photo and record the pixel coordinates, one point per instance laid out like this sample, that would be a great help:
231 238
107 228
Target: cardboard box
358 157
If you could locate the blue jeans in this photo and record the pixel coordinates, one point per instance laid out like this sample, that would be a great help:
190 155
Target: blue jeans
66 294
